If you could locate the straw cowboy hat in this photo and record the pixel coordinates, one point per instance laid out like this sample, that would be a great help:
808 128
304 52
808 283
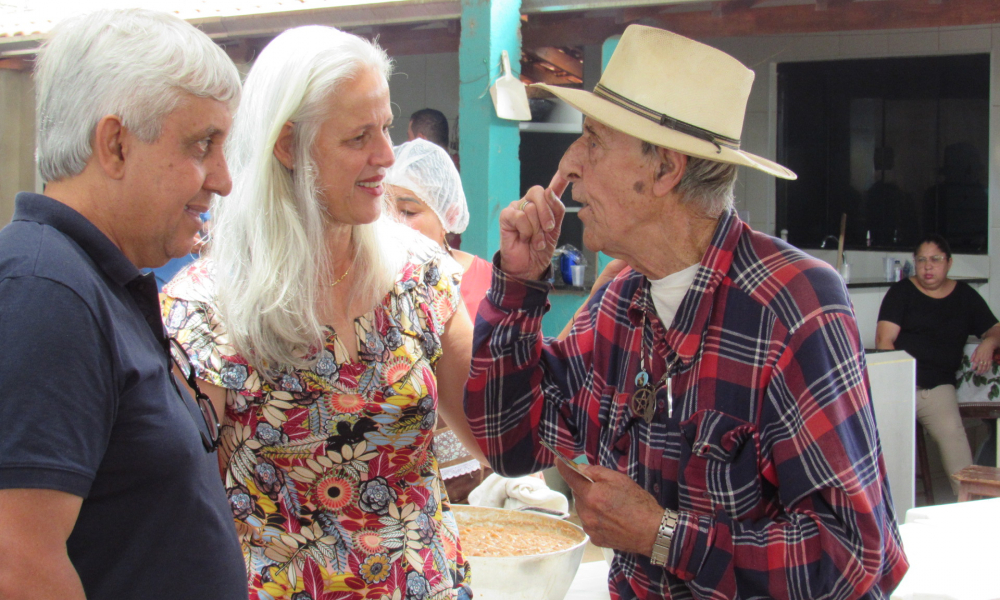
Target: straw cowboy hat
676 93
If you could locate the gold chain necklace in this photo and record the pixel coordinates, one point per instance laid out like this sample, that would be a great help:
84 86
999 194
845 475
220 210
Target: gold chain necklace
341 278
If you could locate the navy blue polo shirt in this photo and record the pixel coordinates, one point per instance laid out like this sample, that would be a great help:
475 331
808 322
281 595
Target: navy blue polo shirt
87 407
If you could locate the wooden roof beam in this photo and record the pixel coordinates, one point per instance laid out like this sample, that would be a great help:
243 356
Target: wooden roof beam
756 19
16 63
536 73
560 59
402 40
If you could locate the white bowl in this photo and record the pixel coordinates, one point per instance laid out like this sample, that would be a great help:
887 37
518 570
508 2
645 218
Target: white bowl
530 577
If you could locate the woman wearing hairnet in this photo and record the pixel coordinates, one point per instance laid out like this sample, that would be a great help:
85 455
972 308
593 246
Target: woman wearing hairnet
427 192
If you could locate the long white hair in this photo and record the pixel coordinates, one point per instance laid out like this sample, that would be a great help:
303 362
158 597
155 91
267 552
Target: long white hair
133 63
269 242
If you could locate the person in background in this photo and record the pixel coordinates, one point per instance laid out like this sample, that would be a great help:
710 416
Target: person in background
428 124
109 484
428 196
427 192
330 335
931 316
717 386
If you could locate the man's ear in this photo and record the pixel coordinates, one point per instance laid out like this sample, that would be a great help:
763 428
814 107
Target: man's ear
283 147
672 165
111 145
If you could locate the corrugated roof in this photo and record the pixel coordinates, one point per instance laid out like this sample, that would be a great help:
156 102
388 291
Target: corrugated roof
19 18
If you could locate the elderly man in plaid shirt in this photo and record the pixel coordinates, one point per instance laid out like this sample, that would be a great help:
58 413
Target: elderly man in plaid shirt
716 386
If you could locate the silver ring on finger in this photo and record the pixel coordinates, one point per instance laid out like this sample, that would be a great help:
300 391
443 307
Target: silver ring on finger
523 203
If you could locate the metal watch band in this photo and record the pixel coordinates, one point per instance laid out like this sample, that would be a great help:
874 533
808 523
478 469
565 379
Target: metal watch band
661 547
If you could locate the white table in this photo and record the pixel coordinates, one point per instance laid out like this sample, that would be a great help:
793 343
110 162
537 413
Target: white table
590 583
953 550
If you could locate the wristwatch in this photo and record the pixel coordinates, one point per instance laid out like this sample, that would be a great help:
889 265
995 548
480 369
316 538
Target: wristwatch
665 535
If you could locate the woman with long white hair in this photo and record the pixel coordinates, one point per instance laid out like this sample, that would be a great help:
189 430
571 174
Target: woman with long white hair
329 335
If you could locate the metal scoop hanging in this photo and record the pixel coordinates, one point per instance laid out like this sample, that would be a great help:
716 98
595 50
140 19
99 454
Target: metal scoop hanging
510 97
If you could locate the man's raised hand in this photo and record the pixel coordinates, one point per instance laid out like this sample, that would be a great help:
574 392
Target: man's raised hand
529 230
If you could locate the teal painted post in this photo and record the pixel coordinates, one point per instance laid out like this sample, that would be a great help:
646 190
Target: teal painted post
488 145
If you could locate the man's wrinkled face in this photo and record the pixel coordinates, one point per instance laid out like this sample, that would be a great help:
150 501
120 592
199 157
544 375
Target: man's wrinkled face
612 178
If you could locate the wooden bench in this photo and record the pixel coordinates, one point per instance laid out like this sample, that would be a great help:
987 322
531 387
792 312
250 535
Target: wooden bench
975 482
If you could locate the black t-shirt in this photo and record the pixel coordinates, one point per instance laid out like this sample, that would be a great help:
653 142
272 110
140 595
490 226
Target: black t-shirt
934 330
88 408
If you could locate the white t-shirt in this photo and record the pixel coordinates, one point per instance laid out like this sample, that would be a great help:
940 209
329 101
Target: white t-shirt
668 292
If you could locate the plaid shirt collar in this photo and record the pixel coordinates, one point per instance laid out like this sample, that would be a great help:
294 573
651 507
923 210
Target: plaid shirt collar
683 340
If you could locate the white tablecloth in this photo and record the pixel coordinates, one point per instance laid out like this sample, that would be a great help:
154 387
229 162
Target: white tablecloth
985 388
982 388
953 549
590 583
954 552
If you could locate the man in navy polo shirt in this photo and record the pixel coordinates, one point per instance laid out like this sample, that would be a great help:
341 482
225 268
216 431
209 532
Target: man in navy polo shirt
109 485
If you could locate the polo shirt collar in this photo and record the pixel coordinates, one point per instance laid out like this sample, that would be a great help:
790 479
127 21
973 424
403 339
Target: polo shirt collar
47 211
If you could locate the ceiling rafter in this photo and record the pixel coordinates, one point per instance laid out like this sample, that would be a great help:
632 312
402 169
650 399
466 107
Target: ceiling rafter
536 72
16 63
560 59
750 18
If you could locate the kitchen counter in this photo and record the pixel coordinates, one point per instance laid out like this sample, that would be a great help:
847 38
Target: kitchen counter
862 282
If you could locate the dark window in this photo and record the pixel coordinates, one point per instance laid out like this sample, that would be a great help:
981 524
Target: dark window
540 154
898 144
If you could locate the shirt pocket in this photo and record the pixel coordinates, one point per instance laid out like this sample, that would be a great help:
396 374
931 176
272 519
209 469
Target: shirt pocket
719 465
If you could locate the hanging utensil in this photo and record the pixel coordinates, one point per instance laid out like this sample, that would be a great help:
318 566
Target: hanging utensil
510 97
840 241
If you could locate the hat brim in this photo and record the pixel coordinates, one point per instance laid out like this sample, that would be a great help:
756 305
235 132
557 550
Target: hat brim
628 122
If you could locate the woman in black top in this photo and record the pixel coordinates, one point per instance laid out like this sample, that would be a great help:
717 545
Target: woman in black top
931 317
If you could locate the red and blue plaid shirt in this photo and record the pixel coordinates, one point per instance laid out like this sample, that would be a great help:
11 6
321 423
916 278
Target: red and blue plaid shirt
769 448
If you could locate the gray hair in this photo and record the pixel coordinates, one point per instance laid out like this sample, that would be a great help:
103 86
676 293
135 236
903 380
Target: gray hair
269 240
136 64
708 184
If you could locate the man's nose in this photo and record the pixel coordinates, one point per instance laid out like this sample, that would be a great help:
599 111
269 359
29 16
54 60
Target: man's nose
218 180
569 164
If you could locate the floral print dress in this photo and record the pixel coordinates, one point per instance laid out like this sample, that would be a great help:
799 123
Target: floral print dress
330 472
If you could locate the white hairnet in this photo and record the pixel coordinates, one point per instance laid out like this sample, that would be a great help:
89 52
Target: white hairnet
425 169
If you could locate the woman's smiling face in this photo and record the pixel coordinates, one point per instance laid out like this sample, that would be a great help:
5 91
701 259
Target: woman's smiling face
353 149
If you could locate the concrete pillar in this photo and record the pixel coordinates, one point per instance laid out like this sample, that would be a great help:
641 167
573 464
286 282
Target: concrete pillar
17 139
488 145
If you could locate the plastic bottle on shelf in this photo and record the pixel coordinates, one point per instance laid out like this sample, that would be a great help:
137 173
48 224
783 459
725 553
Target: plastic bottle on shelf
845 269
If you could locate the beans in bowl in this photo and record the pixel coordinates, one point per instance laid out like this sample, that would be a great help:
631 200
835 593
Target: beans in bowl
506 540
